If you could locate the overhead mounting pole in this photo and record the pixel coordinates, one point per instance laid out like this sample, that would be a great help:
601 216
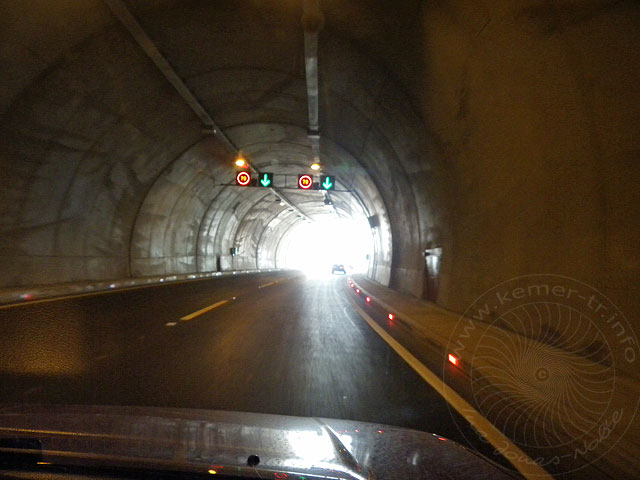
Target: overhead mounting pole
312 23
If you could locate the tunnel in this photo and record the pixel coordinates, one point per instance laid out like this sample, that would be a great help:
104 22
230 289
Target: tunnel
471 142
437 128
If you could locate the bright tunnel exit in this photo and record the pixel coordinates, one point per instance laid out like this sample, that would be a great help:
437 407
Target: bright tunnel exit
315 247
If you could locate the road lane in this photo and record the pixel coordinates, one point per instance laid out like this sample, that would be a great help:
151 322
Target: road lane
65 343
295 348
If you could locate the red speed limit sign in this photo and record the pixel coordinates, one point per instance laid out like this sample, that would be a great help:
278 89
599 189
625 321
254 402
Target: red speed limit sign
243 178
305 182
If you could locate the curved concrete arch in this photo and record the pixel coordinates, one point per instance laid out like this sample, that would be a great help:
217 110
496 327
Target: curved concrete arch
221 238
245 229
262 246
165 232
373 146
80 230
374 154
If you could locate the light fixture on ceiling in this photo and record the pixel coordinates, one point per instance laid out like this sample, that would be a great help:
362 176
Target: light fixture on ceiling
240 161
315 166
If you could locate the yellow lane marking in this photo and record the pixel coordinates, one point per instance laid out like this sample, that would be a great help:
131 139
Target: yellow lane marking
525 464
268 284
203 310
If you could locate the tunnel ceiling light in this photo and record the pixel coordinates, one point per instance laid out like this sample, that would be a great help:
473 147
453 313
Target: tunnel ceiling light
315 166
453 359
240 161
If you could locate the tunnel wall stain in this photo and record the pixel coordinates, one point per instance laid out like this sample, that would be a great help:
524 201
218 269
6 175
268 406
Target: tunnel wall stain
534 111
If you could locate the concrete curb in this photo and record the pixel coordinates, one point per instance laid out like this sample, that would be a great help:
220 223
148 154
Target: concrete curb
26 294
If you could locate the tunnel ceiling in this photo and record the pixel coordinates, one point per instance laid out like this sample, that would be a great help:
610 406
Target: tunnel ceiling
117 177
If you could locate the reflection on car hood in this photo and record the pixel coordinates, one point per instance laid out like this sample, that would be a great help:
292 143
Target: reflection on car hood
218 442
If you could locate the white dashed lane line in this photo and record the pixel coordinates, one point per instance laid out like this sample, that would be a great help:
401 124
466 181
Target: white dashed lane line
193 315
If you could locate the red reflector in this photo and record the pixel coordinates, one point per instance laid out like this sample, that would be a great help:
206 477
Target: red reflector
453 359
368 299
357 290
391 316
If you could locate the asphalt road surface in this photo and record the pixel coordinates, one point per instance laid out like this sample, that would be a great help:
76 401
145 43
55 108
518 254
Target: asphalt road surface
271 343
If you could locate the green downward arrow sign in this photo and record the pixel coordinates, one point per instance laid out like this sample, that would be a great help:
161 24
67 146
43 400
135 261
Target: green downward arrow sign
265 180
326 184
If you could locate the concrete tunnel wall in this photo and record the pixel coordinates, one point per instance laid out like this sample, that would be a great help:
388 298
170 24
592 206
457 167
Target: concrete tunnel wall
535 110
505 134
162 209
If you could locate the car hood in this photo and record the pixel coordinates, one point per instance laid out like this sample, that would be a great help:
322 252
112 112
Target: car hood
220 442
